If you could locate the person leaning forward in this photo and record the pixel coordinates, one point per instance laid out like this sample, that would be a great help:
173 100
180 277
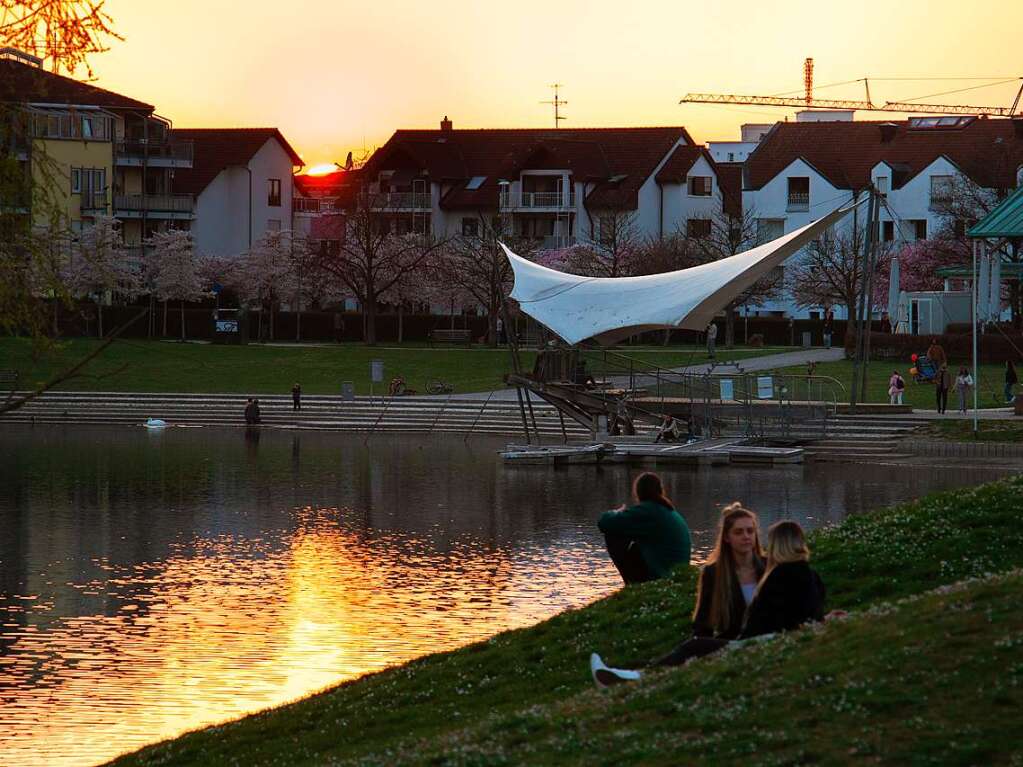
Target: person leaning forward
648 539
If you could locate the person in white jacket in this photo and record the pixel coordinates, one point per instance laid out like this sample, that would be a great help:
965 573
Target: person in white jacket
964 382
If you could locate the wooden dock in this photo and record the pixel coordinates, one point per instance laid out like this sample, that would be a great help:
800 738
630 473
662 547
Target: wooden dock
707 452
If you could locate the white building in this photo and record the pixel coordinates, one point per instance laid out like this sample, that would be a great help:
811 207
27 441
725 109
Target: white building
800 171
242 182
738 151
557 186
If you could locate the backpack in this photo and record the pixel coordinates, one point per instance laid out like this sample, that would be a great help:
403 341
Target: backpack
900 383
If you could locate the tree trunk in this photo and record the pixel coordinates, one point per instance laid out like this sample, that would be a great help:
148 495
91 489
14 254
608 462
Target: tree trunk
729 326
182 306
369 313
401 317
164 318
298 325
56 321
151 319
272 338
99 317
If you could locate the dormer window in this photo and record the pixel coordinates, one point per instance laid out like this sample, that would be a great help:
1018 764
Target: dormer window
941 192
700 186
475 182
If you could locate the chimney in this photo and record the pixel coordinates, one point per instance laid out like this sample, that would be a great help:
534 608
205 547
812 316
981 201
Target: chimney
445 124
1017 124
888 131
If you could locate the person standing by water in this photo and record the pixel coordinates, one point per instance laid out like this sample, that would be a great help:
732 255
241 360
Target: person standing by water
648 539
296 397
896 387
712 335
248 412
964 382
829 324
942 383
1011 379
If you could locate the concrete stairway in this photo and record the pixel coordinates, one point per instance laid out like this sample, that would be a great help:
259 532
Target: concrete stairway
401 414
861 437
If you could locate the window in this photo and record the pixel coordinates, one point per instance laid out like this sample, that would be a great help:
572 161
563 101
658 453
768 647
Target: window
731 157
273 225
799 193
919 228
475 182
86 127
76 181
941 192
882 186
273 198
700 186
470 227
698 227
99 180
887 231
769 229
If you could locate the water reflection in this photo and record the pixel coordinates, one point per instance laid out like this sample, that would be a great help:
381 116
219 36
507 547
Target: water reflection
152 583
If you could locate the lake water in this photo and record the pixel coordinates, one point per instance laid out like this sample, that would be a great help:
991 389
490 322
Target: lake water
151 583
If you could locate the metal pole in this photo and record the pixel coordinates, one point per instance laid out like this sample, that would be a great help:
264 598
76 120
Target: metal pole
973 294
860 307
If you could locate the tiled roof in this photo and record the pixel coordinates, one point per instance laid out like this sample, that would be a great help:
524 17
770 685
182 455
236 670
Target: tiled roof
220 148
988 151
675 170
592 154
23 83
730 184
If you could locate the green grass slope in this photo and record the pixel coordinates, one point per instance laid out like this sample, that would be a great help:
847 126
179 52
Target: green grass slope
932 680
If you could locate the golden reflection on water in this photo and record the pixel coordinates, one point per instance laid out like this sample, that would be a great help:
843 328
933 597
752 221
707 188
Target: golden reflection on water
240 624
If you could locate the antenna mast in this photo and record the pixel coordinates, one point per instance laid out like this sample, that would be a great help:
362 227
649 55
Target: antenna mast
557 103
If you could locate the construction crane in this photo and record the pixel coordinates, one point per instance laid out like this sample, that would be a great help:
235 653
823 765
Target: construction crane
809 102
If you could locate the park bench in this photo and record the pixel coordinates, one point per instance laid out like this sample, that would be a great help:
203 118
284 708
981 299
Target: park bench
451 336
8 379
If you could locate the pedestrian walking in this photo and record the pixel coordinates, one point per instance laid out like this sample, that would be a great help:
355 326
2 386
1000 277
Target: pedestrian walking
248 412
296 397
500 331
896 388
712 335
942 383
964 382
256 418
936 354
829 324
1011 379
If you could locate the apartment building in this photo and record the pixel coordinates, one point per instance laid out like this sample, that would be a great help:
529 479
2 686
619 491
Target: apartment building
241 180
800 171
557 187
95 152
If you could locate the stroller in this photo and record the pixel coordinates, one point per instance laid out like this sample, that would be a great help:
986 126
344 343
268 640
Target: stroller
926 369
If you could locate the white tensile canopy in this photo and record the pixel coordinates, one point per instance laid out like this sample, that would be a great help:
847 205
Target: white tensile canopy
609 309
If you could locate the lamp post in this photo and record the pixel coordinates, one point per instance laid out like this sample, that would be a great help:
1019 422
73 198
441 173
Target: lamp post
973 302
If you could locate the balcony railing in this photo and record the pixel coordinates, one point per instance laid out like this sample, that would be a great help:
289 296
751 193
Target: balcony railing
176 154
312 204
941 202
93 200
799 201
398 200
548 200
177 204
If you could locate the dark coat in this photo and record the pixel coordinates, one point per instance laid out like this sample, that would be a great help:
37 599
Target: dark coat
660 533
701 623
792 595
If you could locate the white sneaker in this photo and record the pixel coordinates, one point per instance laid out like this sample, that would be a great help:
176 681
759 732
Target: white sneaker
603 676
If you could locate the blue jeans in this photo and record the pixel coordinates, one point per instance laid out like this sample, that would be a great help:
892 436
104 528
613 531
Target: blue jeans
1008 392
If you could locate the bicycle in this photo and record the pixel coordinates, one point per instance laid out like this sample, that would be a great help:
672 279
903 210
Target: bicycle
436 386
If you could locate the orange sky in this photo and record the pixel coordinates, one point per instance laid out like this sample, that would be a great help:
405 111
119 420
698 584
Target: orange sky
335 75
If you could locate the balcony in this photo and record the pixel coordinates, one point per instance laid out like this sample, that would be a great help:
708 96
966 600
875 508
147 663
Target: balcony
157 154
91 203
168 206
539 201
798 201
312 205
398 200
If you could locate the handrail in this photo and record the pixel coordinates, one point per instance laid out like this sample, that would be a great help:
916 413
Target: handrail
478 417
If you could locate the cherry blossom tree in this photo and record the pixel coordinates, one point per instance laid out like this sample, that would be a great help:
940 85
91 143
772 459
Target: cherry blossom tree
172 271
99 265
263 275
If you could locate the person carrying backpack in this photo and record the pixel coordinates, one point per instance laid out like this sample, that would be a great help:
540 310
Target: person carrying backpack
896 388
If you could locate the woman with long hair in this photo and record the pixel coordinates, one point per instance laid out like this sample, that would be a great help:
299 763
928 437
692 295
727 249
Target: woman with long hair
649 538
788 595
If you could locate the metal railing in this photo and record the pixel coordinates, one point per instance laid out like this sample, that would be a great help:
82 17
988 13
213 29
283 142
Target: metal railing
799 201
312 204
92 200
155 203
555 200
398 200
178 151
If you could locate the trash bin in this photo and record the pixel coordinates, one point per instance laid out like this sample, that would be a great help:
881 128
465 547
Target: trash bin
347 391
807 342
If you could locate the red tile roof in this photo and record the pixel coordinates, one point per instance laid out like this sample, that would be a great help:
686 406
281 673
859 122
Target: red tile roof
675 170
220 148
988 151
22 83
592 154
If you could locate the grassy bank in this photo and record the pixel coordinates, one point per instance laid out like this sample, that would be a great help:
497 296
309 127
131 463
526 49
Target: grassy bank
934 680
166 366
990 383
988 431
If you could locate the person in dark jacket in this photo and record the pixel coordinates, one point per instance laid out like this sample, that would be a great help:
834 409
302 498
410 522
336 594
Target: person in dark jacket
248 412
942 383
256 418
789 595
646 540
1011 379
296 397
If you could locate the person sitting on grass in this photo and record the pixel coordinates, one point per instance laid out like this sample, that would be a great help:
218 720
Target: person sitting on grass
789 594
646 540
